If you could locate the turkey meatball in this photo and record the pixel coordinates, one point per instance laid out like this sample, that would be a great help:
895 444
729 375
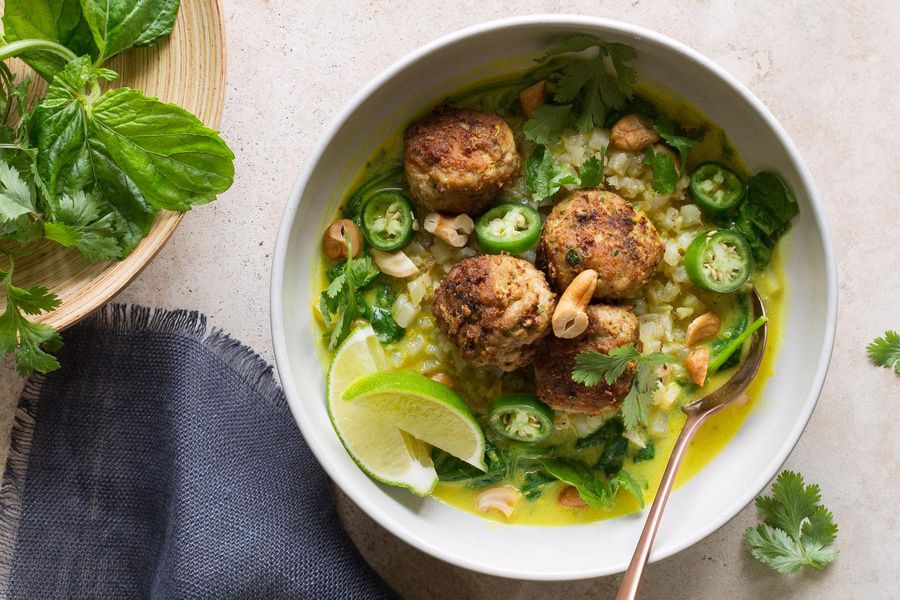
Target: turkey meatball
457 160
608 328
594 229
495 309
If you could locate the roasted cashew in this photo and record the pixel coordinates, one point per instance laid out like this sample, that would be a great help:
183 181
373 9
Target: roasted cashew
455 230
570 318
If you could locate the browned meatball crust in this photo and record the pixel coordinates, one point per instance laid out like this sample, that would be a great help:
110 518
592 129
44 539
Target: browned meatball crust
494 308
594 229
608 328
457 160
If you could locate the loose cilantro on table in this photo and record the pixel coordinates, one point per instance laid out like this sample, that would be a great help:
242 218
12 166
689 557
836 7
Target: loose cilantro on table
884 351
86 168
29 341
797 531
584 88
592 367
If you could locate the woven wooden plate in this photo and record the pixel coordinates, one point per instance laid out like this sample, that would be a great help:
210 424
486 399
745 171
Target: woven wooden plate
188 69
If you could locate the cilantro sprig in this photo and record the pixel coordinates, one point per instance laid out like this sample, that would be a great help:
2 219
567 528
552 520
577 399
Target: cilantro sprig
544 177
592 367
797 531
341 303
30 342
665 175
884 351
583 88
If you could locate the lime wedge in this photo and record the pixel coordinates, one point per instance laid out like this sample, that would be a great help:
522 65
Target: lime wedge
425 409
372 440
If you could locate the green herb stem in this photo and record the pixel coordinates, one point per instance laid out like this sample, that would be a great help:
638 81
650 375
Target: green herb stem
720 357
22 46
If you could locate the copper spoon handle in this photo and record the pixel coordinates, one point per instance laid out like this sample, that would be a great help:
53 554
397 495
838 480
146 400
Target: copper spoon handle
632 580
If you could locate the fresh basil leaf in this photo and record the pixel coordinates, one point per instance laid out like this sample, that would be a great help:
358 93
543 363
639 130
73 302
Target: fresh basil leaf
118 25
58 21
126 143
173 158
70 160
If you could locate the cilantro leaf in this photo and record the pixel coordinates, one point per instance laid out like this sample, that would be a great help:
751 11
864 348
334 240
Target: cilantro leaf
797 531
548 122
29 341
591 367
576 43
17 197
885 351
341 303
584 87
78 223
591 174
665 175
682 140
544 176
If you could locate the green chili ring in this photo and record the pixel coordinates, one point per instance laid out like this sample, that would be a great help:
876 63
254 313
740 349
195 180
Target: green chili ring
387 221
521 418
716 188
511 228
719 261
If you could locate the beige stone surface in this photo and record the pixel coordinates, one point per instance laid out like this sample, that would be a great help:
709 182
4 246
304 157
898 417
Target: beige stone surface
829 72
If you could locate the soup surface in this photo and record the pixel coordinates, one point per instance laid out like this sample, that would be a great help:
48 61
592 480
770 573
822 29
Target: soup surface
620 456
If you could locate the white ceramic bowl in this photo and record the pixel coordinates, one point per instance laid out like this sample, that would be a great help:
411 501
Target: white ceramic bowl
732 479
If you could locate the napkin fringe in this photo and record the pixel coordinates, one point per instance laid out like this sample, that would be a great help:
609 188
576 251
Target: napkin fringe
13 485
119 318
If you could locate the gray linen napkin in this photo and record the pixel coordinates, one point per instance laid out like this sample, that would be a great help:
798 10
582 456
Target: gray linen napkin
162 462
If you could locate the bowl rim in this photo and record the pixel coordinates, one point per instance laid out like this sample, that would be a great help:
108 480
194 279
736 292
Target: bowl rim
395 526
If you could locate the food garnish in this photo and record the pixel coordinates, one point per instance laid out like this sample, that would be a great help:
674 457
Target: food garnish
85 168
510 228
583 88
716 188
765 215
341 303
633 132
521 418
545 176
387 220
665 173
797 531
884 351
591 367
596 490
455 230
719 261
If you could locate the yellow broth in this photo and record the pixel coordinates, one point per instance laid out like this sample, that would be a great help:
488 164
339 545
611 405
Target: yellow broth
426 351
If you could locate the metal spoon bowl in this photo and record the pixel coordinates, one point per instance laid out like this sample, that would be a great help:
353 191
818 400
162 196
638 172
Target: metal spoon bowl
697 412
